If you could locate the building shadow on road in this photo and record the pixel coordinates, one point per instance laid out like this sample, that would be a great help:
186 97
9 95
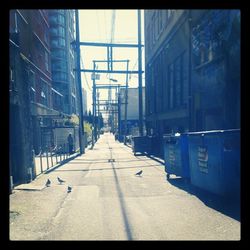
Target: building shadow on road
229 206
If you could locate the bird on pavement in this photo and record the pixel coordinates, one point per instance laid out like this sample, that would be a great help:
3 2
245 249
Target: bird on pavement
69 189
139 173
60 180
48 183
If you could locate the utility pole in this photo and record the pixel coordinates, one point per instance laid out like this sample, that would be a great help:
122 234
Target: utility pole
119 113
93 107
110 69
126 103
140 75
79 82
98 113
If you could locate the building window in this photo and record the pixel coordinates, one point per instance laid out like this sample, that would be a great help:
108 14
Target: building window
73 87
61 42
73 104
61 31
59 11
32 86
171 85
53 31
58 42
12 74
46 54
59 76
59 65
177 82
53 19
44 93
46 35
57 18
54 42
169 15
61 19
12 85
153 29
184 78
160 21
149 36
57 99
59 53
157 24
66 99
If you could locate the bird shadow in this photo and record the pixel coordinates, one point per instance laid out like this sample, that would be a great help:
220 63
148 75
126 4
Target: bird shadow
229 206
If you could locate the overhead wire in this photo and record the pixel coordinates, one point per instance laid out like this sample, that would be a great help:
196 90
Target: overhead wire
85 74
135 65
105 23
98 24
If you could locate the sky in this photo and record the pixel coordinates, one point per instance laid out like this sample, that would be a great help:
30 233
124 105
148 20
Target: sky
96 26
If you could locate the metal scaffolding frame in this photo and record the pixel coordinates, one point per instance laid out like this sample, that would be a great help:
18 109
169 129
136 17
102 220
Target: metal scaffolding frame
110 62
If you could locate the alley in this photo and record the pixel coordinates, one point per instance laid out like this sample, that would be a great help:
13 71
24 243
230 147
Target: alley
109 202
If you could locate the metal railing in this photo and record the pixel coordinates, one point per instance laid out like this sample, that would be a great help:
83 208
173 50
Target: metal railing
50 157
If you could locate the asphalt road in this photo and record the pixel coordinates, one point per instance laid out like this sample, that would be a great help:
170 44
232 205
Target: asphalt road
109 202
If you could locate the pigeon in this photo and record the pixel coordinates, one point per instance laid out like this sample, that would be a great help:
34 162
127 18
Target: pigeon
48 183
60 180
69 189
139 173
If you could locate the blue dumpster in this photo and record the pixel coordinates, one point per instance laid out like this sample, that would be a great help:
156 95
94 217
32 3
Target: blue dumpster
156 146
214 158
141 144
121 138
176 155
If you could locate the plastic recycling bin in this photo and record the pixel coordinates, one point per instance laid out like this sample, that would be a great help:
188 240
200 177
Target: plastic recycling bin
176 155
214 158
141 144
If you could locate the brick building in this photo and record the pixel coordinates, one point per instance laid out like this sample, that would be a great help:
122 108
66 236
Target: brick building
31 106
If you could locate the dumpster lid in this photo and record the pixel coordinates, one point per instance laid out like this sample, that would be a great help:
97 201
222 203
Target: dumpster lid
138 136
166 136
213 131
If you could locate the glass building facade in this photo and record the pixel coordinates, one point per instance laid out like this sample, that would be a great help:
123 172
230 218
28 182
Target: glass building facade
62 34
